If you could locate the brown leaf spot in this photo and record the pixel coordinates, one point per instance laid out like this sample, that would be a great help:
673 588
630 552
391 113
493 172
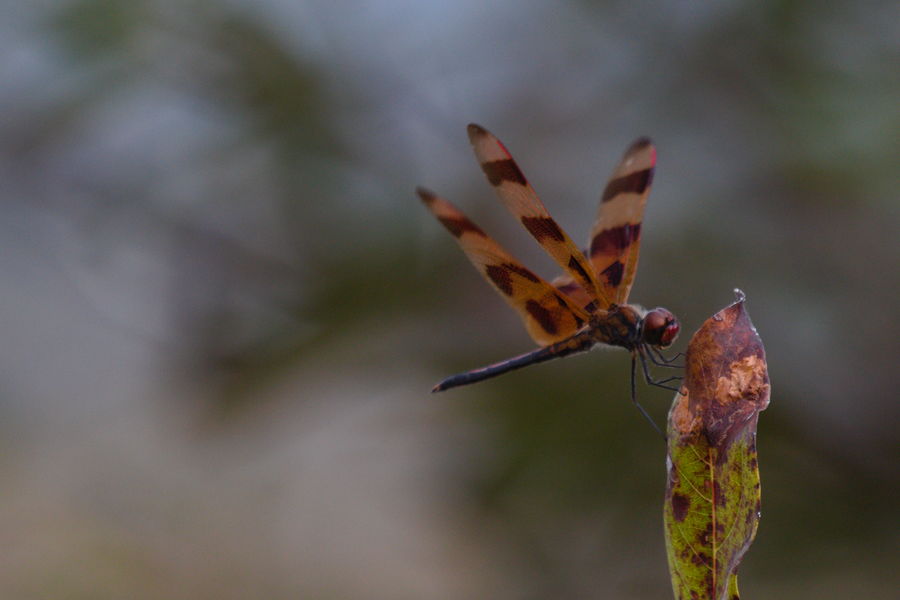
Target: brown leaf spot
718 495
680 506
699 559
498 171
705 536
747 381
683 420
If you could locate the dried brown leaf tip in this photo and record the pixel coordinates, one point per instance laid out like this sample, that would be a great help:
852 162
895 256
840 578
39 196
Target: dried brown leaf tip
726 379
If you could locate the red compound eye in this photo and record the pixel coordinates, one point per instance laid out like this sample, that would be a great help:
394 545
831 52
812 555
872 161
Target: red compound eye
660 328
669 334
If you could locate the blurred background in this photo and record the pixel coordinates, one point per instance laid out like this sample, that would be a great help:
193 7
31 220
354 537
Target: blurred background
223 307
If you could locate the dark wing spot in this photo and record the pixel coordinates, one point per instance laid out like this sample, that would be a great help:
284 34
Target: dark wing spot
522 272
498 171
613 273
575 265
543 227
635 182
542 316
458 226
614 240
562 303
680 506
500 276
571 288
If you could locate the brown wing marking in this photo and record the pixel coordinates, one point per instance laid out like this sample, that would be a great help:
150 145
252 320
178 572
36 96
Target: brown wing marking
616 235
521 199
549 315
569 287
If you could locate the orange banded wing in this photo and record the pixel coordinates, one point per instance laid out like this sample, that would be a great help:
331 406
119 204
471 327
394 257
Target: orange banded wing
616 236
570 288
549 315
523 202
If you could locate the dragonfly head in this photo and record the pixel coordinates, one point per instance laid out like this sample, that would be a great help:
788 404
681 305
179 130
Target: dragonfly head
660 328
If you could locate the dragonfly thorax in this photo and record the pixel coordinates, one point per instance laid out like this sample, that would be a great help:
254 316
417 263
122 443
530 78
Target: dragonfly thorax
628 327
619 325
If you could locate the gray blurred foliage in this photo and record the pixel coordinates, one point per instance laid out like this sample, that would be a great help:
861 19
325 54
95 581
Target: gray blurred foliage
224 306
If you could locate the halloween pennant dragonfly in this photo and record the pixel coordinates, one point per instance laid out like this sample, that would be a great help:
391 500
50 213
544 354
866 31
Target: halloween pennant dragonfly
587 305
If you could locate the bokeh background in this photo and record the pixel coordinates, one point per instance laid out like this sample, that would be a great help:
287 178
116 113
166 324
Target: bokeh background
222 306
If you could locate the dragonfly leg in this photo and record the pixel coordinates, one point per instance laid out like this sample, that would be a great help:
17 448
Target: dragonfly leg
657 358
638 404
649 378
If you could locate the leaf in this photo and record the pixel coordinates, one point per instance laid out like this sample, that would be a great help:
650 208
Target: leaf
712 501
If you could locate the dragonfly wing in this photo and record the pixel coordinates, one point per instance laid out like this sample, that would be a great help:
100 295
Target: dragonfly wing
522 201
616 235
548 314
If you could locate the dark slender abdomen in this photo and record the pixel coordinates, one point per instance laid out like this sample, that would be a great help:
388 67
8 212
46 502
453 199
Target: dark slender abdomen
580 342
617 326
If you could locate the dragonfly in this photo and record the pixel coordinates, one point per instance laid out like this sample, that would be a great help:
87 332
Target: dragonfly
587 306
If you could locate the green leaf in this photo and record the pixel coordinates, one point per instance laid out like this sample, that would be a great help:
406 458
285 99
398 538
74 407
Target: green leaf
712 502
